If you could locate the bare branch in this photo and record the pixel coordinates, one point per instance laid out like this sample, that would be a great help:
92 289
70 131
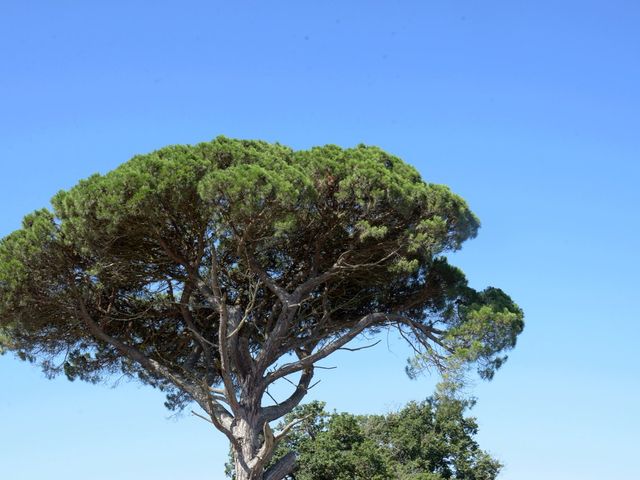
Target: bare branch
360 348
313 283
276 289
220 416
191 326
311 386
282 433
331 347
427 332
408 340
219 391
225 367
208 420
134 354
276 411
247 311
271 397
191 271
274 342
372 264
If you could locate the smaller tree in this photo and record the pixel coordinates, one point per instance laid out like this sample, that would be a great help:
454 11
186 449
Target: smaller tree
429 440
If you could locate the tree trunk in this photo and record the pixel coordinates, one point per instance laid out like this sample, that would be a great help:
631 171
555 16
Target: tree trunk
247 461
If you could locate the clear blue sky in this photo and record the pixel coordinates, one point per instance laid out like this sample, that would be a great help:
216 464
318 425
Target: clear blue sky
529 110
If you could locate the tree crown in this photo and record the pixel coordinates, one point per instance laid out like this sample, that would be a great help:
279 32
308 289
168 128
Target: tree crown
429 440
290 252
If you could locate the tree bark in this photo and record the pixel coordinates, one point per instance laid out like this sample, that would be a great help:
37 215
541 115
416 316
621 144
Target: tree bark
255 444
284 467
247 465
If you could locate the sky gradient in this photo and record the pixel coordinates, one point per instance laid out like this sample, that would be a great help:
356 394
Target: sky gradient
529 110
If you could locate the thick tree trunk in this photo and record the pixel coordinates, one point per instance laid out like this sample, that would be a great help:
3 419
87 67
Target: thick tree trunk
254 448
248 465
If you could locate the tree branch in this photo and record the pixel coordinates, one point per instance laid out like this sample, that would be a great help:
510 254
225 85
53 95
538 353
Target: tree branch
191 326
285 466
191 272
360 348
276 289
276 411
134 354
285 430
225 367
220 417
331 347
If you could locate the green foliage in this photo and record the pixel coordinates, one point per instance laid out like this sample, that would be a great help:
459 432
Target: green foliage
131 249
430 440
4 341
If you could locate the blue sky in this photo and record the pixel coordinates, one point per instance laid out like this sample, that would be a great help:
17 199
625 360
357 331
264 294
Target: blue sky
529 110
